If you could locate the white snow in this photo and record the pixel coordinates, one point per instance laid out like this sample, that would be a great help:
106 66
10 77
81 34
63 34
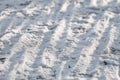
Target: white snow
60 40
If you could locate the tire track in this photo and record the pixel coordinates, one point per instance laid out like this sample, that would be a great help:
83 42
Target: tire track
95 62
12 54
46 38
51 39
47 34
29 41
55 45
61 43
78 55
111 58
30 54
109 63
101 56
60 40
20 29
11 37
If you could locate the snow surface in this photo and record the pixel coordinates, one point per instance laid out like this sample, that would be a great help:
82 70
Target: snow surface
59 39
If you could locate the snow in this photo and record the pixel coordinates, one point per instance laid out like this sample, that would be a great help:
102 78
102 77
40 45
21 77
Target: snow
60 40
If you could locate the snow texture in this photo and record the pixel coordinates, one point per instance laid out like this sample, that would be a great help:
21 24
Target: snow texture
59 39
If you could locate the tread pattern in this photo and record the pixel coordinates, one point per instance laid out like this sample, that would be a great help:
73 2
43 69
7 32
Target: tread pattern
60 40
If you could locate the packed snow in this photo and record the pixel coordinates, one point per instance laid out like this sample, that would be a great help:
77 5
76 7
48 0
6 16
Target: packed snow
59 39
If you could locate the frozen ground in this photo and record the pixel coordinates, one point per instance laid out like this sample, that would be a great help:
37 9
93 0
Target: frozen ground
59 39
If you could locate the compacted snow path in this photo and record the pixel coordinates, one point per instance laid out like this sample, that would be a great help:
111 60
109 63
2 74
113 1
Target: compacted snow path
60 40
